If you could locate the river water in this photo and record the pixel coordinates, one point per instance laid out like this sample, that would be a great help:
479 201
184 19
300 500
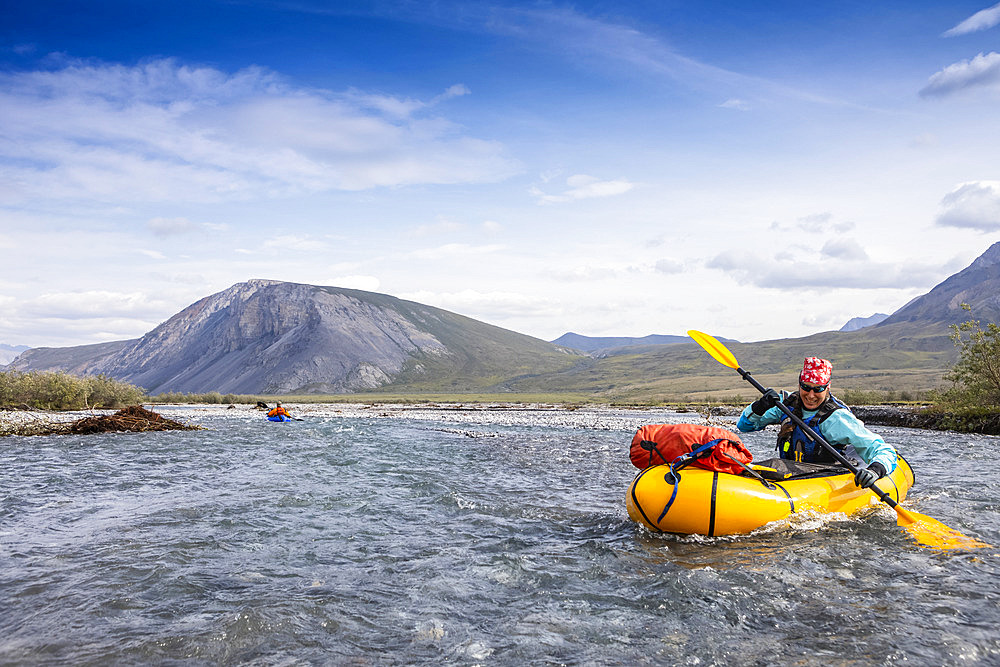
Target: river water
494 537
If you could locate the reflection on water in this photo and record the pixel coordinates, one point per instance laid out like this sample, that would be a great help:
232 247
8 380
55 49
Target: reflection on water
411 542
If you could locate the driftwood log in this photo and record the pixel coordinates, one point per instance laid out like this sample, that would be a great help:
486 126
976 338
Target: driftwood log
134 418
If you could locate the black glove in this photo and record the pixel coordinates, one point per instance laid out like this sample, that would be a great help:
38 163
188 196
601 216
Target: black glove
868 476
770 399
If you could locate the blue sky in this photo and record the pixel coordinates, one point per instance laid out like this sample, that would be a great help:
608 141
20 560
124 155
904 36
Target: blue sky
755 170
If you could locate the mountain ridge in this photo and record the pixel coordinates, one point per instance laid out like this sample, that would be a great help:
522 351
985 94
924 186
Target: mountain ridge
977 285
267 336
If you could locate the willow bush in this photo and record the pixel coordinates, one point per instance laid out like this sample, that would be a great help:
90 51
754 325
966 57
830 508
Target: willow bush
976 376
61 391
972 403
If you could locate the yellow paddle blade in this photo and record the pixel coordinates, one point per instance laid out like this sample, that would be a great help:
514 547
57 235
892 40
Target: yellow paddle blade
714 348
932 533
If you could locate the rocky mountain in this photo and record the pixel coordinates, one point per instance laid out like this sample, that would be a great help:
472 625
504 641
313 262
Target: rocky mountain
856 323
265 336
977 285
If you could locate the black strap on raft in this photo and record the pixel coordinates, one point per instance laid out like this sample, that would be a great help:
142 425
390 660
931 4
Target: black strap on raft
672 476
650 446
750 471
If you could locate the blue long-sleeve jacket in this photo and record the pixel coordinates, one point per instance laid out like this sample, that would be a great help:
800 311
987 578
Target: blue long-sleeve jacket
840 428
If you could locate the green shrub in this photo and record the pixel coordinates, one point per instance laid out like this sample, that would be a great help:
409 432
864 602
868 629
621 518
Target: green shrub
976 376
862 396
103 392
879 396
61 391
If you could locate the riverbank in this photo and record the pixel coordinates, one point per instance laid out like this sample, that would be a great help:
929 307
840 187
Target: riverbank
986 423
465 415
597 417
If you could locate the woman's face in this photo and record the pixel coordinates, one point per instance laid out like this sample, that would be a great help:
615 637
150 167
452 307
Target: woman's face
811 399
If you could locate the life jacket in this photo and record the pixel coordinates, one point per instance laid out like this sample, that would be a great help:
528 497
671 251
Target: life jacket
794 444
710 447
278 411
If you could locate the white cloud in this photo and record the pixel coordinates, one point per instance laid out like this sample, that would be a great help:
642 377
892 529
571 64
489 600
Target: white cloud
981 20
843 227
582 186
366 283
669 266
452 250
164 227
972 206
441 226
981 71
393 107
734 103
814 219
813 223
803 271
606 272
181 278
458 90
166 132
586 271
600 43
294 243
496 305
842 248
92 304
403 108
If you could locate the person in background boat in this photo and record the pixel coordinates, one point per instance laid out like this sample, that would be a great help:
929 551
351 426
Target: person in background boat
818 408
278 410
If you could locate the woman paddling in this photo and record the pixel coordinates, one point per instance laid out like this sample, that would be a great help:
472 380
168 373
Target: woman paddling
818 408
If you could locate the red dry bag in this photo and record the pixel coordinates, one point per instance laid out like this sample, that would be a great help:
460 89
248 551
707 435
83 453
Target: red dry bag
654 444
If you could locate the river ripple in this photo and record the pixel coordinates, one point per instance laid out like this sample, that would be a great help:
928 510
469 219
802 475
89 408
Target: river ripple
464 537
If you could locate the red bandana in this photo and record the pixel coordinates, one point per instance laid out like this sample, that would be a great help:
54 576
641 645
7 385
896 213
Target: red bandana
816 371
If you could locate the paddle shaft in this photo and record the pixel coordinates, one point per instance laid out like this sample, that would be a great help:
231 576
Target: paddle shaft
808 430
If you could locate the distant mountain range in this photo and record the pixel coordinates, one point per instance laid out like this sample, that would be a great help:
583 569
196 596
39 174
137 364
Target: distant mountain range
856 323
271 337
977 285
9 352
594 343
597 344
